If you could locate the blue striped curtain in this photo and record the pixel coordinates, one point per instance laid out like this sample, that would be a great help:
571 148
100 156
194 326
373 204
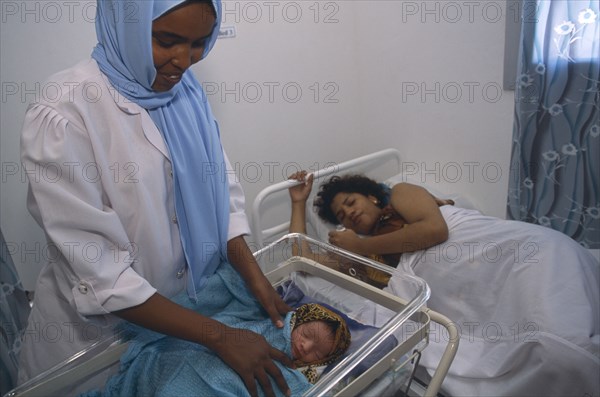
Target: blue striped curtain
555 164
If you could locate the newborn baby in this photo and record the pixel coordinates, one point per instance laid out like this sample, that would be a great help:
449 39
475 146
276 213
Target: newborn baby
318 337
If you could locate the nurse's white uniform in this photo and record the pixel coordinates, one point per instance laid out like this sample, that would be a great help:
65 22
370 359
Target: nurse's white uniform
101 185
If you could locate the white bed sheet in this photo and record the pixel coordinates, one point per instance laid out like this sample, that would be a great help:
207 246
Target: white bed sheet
526 301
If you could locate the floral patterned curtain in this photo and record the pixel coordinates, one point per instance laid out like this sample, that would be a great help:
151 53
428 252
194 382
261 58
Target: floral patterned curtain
555 164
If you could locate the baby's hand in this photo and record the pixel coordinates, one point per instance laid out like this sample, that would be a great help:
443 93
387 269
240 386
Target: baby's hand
300 193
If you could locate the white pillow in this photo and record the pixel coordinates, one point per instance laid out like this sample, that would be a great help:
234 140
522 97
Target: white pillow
317 227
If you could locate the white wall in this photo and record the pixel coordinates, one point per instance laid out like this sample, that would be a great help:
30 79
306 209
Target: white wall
300 59
431 78
354 63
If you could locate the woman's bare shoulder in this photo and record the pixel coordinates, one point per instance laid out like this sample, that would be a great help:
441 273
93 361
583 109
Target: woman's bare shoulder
406 188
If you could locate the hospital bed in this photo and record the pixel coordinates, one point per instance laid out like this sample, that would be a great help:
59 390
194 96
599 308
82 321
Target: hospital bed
506 286
371 367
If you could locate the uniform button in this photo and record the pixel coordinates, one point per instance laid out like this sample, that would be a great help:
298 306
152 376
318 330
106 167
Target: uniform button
180 273
171 172
174 219
83 288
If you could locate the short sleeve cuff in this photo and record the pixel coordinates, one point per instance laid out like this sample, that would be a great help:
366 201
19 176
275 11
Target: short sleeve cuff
130 290
238 225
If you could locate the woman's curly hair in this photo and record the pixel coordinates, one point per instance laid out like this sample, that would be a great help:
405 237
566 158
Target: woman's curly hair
346 184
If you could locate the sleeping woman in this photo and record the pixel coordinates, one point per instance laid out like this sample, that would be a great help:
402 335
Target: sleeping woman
525 297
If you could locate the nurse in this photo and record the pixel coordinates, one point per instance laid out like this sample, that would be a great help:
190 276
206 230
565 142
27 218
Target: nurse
131 186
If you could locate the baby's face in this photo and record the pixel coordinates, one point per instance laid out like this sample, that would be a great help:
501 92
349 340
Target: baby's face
312 341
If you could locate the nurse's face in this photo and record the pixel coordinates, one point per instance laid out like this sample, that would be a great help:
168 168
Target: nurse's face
178 40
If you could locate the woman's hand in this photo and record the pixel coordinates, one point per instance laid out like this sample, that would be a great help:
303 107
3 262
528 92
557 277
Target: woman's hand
441 202
249 354
300 193
347 239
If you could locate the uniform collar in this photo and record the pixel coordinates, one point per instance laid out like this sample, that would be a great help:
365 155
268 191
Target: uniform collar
125 104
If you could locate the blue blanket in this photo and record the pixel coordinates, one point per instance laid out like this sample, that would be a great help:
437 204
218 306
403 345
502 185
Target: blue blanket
158 365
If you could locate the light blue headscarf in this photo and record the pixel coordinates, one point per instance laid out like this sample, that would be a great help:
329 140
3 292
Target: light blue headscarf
183 116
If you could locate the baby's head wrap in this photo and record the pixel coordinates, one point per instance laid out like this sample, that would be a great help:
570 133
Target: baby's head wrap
183 117
315 312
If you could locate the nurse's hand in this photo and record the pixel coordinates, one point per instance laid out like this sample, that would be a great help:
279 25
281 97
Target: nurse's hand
249 354
243 261
270 300
246 352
